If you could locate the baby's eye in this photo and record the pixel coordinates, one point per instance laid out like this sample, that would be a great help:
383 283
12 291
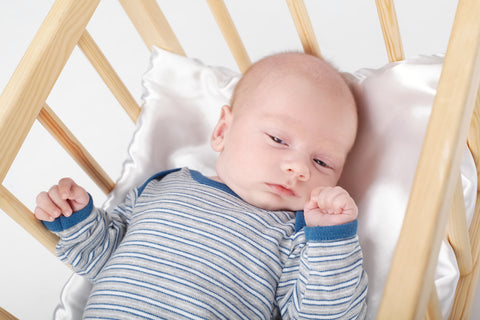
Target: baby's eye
320 163
277 140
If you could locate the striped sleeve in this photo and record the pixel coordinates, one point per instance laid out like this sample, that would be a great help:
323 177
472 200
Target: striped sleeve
323 279
88 243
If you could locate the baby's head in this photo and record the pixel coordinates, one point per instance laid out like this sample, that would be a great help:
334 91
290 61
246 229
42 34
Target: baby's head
290 126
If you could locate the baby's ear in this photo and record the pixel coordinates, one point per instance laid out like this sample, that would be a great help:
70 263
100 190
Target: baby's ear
217 142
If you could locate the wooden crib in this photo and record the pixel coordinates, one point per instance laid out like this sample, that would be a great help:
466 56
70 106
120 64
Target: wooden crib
436 197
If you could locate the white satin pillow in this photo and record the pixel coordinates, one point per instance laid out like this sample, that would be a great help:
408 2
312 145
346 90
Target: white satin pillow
182 101
181 105
394 104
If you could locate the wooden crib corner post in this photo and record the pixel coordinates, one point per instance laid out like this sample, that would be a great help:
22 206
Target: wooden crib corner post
32 81
151 24
408 286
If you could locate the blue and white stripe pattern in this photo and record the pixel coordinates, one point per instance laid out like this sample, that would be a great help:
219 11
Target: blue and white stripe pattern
186 247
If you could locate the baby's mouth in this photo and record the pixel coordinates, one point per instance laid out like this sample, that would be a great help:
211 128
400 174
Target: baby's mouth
281 190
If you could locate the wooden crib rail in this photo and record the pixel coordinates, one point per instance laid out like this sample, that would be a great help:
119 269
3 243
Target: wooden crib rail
434 311
32 81
5 315
22 215
457 231
230 33
77 151
109 76
304 26
25 94
152 25
437 172
23 101
467 283
390 29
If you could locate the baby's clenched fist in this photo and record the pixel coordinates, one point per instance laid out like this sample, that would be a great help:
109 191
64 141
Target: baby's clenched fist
64 198
330 206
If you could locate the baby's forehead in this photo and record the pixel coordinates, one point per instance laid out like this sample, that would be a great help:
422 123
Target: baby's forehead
289 66
292 74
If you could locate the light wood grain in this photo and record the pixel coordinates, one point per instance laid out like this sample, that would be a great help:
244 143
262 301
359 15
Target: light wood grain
230 33
390 29
70 143
151 24
109 76
457 231
408 286
467 283
434 310
32 81
5 315
25 218
304 27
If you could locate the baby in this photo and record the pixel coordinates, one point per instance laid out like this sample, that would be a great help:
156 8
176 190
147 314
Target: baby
270 236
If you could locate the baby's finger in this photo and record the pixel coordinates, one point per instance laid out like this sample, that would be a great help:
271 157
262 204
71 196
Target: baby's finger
330 200
76 195
60 201
41 214
46 206
340 201
66 188
320 198
346 203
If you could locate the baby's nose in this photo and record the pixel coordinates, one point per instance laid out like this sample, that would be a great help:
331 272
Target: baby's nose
297 168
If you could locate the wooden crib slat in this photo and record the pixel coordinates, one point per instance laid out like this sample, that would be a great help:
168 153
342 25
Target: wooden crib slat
434 310
230 33
32 81
474 146
467 284
390 29
70 143
109 76
151 24
25 218
302 21
457 231
5 315
408 285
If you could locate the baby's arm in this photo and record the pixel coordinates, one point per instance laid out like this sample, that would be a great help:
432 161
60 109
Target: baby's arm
88 235
329 206
64 198
325 271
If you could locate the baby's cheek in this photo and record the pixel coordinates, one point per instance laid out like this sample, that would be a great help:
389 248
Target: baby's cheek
323 180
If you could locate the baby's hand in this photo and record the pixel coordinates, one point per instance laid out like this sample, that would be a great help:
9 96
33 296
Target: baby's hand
65 198
329 206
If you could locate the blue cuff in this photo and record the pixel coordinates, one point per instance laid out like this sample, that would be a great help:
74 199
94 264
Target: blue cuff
63 223
325 233
338 232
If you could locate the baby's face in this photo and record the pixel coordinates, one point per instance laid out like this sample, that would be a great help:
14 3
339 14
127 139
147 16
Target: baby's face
282 142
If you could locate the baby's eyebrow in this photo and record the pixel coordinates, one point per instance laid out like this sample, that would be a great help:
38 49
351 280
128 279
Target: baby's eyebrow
283 119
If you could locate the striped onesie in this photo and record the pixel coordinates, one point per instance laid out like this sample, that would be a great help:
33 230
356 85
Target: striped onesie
184 246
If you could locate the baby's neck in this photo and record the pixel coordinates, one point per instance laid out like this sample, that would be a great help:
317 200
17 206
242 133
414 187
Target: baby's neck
216 178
